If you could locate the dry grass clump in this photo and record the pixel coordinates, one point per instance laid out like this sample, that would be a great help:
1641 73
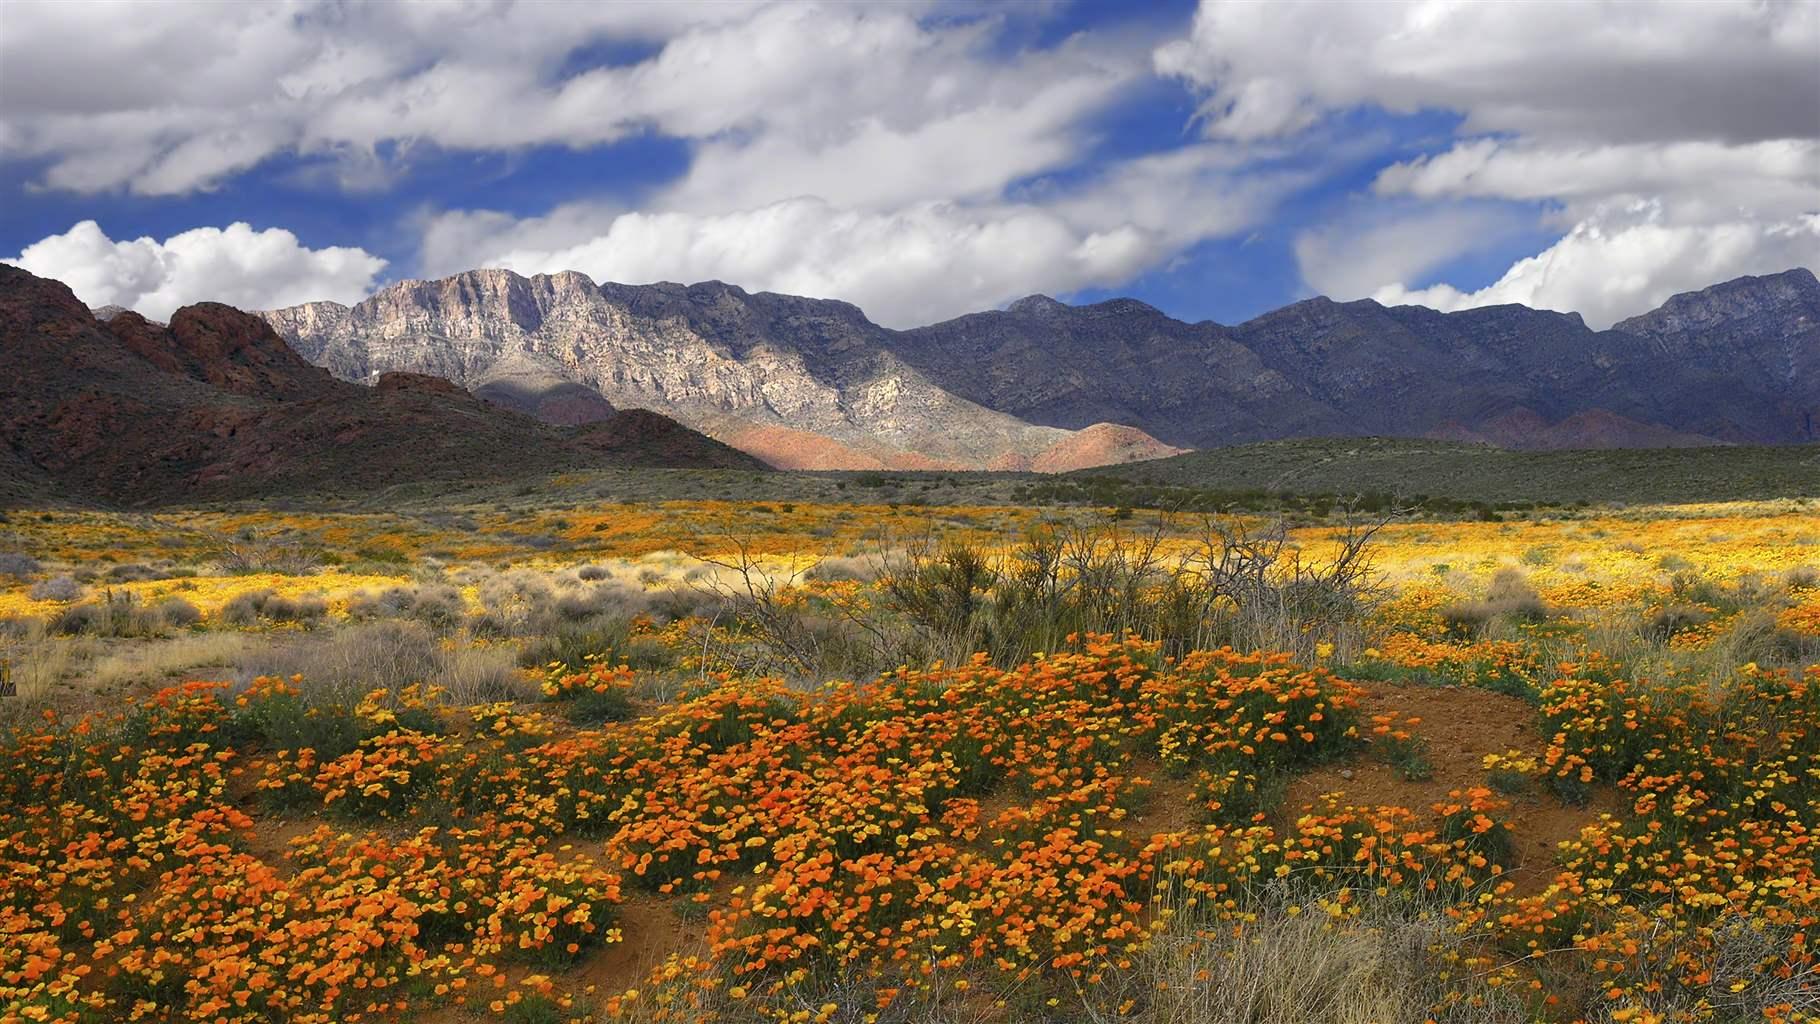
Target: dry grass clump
390 655
161 662
1508 598
1292 968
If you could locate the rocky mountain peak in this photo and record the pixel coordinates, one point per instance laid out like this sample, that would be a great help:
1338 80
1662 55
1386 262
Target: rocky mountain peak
1037 306
1785 302
222 346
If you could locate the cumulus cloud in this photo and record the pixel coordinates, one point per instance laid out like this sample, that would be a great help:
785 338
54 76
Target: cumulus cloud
1380 245
906 263
1661 70
236 265
170 98
1673 144
1620 262
906 267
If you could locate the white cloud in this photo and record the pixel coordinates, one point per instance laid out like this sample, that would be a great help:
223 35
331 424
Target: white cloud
1383 245
1659 70
1624 261
1777 177
1675 144
906 263
236 265
911 266
170 98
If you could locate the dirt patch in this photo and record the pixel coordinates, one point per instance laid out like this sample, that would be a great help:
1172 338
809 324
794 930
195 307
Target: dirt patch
650 930
1461 725
1170 805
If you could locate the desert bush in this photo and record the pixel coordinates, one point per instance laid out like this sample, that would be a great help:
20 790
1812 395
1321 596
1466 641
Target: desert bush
57 588
1232 585
248 553
1672 619
366 606
600 599
841 568
253 606
438 606
132 572
1802 577
347 662
119 614
17 563
1509 597
592 573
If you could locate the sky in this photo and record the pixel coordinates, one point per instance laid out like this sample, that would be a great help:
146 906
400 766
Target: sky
919 159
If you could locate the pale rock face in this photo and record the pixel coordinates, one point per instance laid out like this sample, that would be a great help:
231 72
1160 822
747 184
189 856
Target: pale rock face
711 356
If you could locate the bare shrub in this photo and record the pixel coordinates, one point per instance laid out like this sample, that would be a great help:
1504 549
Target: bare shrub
254 606
342 664
1226 583
17 564
57 588
1509 597
247 554
592 573
116 614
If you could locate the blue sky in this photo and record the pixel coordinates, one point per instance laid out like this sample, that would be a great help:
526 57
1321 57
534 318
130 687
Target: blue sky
920 159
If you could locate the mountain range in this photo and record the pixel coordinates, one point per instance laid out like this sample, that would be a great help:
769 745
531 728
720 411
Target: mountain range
812 383
214 404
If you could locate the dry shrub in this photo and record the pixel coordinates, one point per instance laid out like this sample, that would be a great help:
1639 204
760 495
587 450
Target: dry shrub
1666 622
17 564
1231 584
344 663
846 568
249 554
57 588
254 606
122 614
1509 598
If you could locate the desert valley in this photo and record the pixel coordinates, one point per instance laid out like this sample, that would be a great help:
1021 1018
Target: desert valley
1168 513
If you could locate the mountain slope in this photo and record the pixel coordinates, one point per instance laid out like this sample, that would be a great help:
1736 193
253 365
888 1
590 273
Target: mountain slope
1737 363
804 383
813 384
216 405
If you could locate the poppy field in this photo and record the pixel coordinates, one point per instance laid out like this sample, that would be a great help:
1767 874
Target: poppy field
741 765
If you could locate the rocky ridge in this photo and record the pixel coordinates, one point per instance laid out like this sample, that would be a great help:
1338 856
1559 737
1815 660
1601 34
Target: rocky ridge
812 384
216 405
802 383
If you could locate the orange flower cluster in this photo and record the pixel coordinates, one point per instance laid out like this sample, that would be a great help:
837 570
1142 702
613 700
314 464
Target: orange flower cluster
928 828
